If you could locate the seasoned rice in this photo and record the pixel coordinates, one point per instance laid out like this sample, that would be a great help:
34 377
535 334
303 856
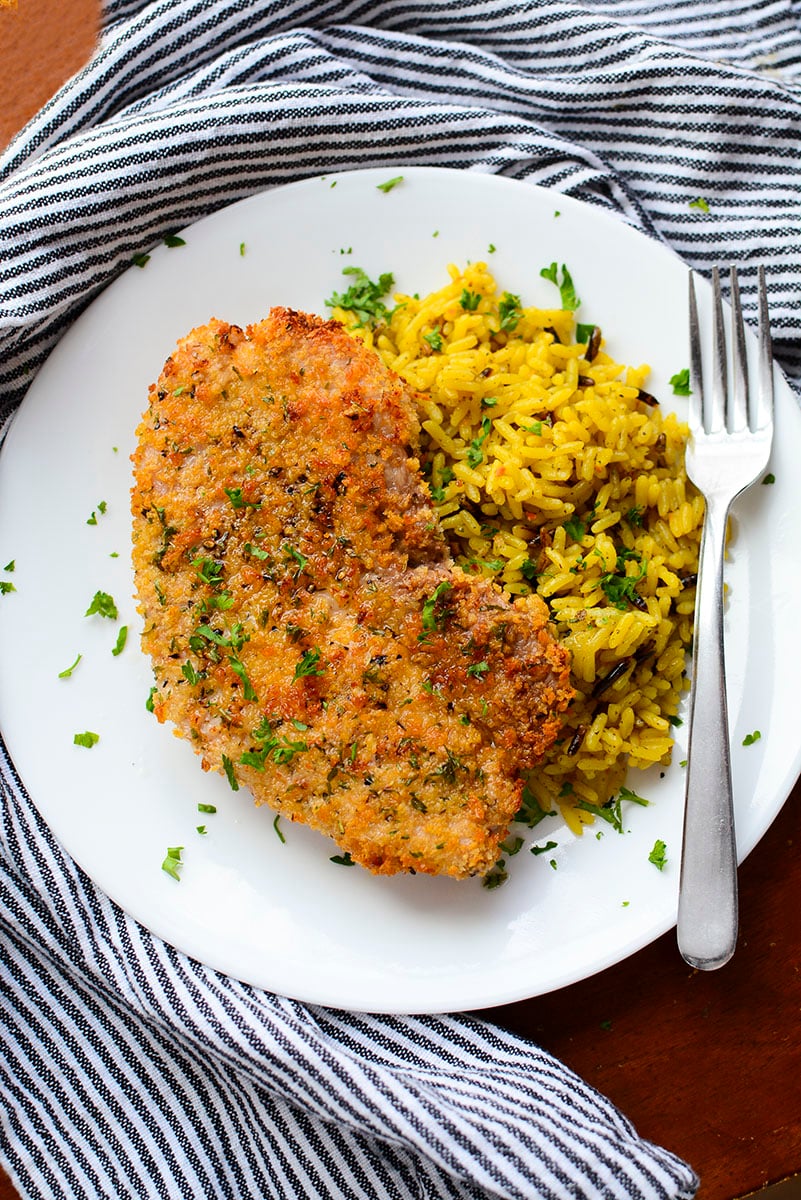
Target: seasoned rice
556 471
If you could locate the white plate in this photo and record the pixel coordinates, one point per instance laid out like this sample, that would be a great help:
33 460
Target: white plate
282 916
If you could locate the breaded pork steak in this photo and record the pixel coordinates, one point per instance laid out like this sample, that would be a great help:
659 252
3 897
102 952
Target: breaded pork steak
308 629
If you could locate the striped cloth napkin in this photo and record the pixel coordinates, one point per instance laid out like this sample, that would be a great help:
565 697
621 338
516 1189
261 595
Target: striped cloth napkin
129 1070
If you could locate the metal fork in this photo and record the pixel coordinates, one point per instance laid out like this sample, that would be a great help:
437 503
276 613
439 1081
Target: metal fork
729 447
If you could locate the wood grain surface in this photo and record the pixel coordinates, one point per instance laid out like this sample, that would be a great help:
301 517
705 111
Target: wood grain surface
708 1065
42 43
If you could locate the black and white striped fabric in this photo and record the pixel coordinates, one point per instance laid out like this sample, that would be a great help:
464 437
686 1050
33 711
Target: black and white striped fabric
127 1069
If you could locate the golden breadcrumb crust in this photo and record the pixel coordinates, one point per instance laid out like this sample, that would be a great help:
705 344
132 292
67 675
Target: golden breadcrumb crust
308 629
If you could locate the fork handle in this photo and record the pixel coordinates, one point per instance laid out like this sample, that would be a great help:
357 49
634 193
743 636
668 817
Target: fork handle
707 914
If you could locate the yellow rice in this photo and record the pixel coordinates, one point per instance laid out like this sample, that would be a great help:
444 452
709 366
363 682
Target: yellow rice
549 470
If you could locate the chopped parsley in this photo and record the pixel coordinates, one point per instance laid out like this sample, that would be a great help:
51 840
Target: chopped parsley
10 566
6 586
281 750
122 637
65 674
531 811
509 311
628 794
611 812
750 738
432 620
635 515
543 849
238 667
210 572
364 298
101 508
234 641
620 589
201 829
189 673
478 670
475 454
680 382
102 604
238 500
574 528
208 808
140 260
172 240
241 249
87 739
278 832
657 855
496 877
228 767
172 862
342 860
567 291
308 665
434 339
390 184
469 300
438 493
701 203
584 331
769 478
149 702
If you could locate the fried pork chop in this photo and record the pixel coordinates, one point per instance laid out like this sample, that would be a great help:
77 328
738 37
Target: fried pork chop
308 629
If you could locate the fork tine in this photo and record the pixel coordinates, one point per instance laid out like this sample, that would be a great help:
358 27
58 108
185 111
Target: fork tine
764 409
696 404
715 412
739 408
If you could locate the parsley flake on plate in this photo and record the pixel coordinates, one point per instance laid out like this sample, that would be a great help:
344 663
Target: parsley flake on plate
342 860
87 739
172 863
65 674
102 604
122 637
680 382
750 738
390 184
496 877
658 856
543 849
567 291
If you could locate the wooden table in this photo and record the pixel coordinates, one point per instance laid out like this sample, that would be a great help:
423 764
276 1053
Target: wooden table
708 1065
